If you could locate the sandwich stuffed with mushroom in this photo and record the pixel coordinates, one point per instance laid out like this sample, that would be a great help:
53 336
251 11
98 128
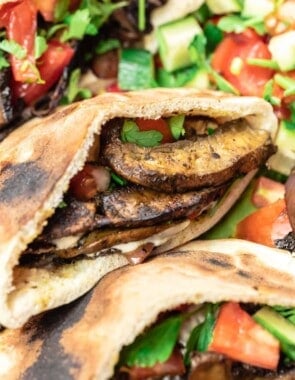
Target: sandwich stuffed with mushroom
207 310
114 179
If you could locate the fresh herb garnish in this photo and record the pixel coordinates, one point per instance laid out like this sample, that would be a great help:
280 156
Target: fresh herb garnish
77 25
223 84
237 24
12 47
176 126
141 15
3 61
73 91
131 133
62 204
153 346
107 45
260 62
268 93
287 83
118 180
214 36
40 46
201 335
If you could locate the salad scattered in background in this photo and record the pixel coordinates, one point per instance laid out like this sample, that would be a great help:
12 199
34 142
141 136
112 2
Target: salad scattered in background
59 51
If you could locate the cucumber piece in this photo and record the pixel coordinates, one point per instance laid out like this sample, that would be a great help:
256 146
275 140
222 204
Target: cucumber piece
200 80
277 325
225 6
282 48
136 69
284 159
174 39
257 8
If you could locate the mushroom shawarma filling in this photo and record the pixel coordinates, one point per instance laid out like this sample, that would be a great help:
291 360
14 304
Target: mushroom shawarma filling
226 341
145 180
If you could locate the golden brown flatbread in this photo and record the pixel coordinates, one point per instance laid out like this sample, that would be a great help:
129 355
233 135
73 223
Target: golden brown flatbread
37 162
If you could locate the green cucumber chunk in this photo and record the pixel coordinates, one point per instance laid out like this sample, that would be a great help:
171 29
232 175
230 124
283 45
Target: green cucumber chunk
174 39
136 69
277 325
225 6
257 8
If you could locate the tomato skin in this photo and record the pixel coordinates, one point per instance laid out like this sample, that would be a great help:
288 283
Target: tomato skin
239 337
46 8
83 185
21 28
251 79
57 56
266 224
267 191
160 125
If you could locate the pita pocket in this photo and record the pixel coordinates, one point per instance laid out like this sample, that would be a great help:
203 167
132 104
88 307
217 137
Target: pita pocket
178 290
175 191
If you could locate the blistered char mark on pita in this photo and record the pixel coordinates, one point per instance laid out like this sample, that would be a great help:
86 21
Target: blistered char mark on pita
24 180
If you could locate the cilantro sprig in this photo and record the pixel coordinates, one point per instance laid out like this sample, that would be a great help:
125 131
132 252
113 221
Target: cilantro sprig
237 24
153 346
201 335
131 133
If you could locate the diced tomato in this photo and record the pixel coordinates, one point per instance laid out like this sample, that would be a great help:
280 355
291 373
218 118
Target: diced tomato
267 191
46 8
265 225
160 125
57 56
239 337
21 28
235 50
113 87
89 181
5 10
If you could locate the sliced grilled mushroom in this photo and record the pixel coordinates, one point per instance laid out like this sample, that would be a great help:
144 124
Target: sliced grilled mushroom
138 206
189 164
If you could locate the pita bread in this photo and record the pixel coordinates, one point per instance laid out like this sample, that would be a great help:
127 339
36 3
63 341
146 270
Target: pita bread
37 162
84 339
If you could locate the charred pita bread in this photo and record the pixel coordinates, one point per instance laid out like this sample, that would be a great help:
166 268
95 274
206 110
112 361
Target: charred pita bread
84 339
37 162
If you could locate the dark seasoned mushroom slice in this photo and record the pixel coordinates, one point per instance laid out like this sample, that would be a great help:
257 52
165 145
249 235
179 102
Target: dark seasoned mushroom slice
77 217
138 206
189 164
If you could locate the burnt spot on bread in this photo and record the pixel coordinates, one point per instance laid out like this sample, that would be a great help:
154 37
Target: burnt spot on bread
219 262
22 180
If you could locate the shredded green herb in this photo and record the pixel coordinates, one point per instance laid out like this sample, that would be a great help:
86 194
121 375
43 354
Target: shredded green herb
131 133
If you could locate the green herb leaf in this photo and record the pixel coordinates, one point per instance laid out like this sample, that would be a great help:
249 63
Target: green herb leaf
214 36
3 61
201 335
141 15
237 24
73 91
107 45
12 47
267 93
77 22
176 79
197 50
61 9
268 63
55 28
40 46
288 313
153 346
131 133
223 84
176 126
118 180
62 204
